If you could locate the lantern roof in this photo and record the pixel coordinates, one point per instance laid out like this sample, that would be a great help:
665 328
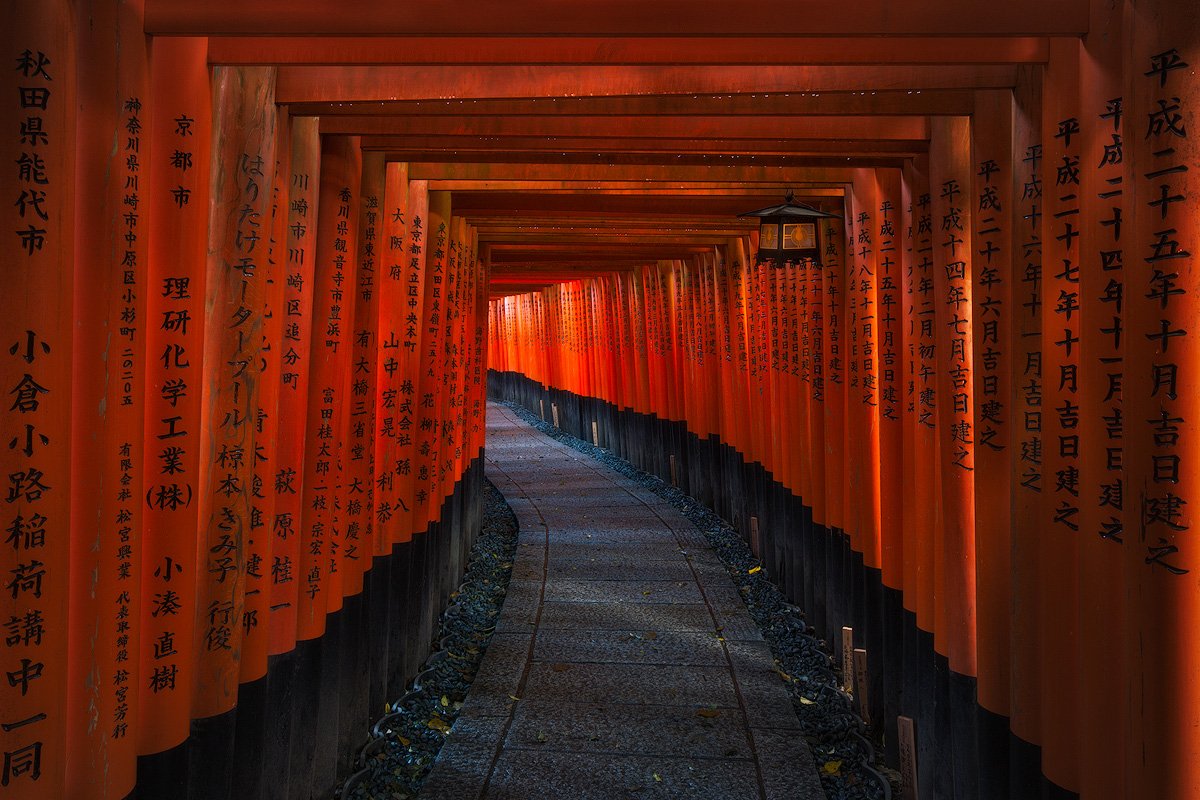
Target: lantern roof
790 208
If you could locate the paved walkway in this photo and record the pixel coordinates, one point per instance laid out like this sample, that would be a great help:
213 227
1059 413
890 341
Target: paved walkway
625 664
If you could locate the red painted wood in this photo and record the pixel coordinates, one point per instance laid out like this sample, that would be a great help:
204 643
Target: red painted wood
890 367
992 312
270 426
1061 364
181 99
925 401
38 258
295 354
1103 481
1163 742
521 50
622 17
360 546
239 231
1026 477
109 364
397 331
833 289
329 369
414 264
864 392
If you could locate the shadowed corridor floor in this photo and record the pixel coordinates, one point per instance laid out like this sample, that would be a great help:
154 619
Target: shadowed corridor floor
625 664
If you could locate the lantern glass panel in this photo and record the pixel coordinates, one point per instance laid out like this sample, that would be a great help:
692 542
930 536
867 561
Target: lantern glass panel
768 236
802 236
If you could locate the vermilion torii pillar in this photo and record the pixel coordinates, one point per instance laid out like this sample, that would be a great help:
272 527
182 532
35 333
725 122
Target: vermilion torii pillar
39 149
295 347
109 369
1104 288
176 185
243 169
413 260
1026 394
329 365
397 328
269 430
1162 399
992 201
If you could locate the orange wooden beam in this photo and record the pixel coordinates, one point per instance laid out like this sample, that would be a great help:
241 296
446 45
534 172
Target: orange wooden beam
639 176
599 222
665 207
553 51
405 147
620 239
888 101
618 17
502 255
794 161
883 128
350 84
653 190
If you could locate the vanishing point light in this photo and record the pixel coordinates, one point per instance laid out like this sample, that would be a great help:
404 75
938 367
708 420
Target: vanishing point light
789 232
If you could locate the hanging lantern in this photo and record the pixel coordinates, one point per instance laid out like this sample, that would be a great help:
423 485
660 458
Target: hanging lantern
789 232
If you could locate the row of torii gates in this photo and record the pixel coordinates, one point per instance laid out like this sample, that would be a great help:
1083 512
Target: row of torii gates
260 257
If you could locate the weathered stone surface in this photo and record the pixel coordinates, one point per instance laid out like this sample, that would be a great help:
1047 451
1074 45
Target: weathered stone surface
625 664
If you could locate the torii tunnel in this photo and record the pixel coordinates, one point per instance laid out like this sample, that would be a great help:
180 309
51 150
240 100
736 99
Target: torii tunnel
265 261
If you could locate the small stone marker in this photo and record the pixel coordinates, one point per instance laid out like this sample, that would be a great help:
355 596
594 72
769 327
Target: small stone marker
860 683
542 409
848 659
674 472
908 758
755 540
595 434
554 413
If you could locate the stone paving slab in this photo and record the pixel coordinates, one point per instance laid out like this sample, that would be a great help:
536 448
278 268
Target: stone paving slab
621 616
629 538
625 664
630 730
522 774
630 647
778 752
666 684
462 770
618 569
630 590
629 552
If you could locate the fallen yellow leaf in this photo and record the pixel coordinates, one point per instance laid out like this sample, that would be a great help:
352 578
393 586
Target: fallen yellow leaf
657 778
804 701
709 713
438 724
754 570
832 767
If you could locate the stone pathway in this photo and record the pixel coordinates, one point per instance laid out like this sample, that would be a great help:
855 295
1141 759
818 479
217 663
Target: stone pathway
625 664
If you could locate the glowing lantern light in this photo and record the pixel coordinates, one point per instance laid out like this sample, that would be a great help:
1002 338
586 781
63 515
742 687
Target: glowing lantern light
789 233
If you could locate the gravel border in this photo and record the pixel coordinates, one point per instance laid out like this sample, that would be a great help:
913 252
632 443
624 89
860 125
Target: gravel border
834 732
407 740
